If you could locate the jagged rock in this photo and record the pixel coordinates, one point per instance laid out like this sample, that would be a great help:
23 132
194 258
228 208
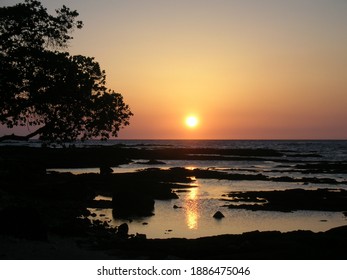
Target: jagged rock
140 236
123 230
152 162
106 170
218 215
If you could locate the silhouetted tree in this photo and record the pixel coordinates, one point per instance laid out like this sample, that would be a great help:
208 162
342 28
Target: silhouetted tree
62 97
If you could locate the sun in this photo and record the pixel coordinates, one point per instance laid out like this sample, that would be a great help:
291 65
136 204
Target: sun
192 121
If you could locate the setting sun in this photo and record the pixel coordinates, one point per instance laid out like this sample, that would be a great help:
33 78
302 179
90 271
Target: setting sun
192 121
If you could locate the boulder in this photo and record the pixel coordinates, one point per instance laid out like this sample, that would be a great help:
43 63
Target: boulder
140 236
106 170
218 215
123 230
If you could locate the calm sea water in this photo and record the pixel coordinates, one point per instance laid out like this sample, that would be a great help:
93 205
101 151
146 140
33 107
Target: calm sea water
198 204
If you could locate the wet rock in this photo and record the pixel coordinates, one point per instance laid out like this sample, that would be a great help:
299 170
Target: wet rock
182 191
100 204
294 199
323 167
140 236
163 191
152 162
106 170
123 230
85 213
342 230
218 215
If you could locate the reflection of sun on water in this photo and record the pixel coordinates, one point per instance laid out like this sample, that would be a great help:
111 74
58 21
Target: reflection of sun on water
190 167
193 194
191 207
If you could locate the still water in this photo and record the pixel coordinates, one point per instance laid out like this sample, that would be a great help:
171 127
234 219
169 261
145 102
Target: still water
196 207
190 216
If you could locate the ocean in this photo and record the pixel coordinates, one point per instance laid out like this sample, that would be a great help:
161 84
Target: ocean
191 215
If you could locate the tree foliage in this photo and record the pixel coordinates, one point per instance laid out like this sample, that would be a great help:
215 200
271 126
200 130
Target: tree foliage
62 97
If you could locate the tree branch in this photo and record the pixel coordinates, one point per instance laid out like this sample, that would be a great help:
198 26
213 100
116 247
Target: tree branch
20 137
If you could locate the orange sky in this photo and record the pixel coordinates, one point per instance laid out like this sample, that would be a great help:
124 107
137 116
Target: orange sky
247 69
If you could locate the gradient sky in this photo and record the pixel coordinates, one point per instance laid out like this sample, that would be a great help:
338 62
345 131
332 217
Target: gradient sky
247 69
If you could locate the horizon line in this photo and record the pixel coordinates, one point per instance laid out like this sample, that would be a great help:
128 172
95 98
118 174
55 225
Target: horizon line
229 139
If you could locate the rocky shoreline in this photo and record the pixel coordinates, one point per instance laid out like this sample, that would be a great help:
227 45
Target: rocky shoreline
41 212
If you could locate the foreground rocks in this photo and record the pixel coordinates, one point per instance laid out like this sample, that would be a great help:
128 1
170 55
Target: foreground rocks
329 245
255 245
290 200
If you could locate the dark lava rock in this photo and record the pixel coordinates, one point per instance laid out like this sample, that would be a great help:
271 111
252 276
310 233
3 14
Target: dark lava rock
152 162
140 236
22 222
218 215
323 167
123 230
127 204
294 199
106 170
338 230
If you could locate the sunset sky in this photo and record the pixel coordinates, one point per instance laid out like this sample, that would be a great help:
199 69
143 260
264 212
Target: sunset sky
246 69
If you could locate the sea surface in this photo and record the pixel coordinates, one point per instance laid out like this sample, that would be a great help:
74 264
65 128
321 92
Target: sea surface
197 205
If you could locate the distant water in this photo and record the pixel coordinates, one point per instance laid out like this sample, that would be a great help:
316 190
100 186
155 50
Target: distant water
198 204
329 149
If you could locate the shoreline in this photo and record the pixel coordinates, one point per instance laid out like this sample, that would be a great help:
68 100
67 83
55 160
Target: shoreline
255 245
51 207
